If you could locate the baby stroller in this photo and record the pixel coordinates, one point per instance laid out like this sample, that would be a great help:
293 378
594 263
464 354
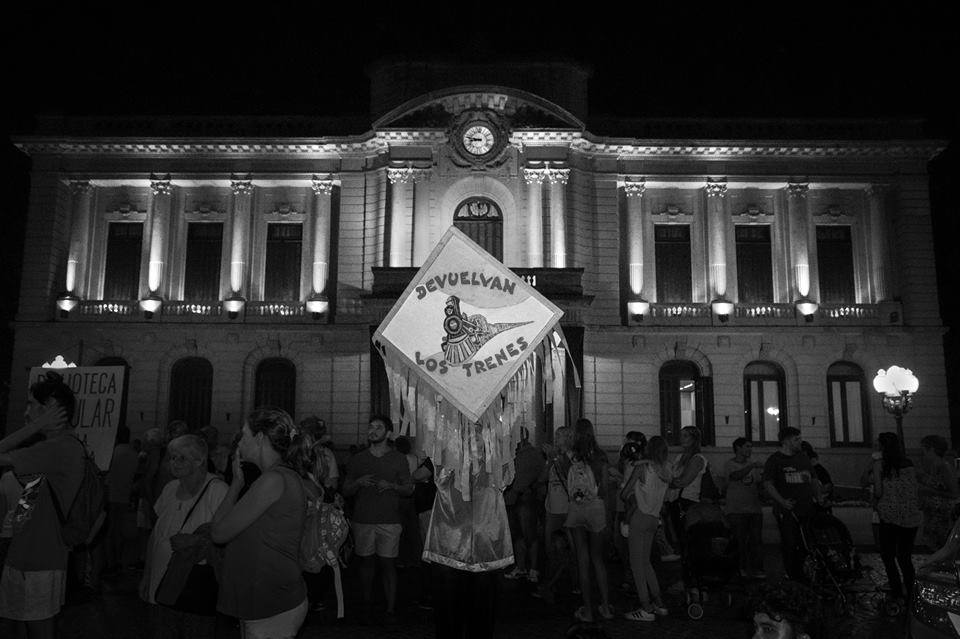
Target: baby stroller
833 566
710 556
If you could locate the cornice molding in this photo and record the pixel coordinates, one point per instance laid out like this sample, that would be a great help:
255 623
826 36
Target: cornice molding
379 143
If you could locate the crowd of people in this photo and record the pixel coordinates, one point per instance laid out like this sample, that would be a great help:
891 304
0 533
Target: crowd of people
217 530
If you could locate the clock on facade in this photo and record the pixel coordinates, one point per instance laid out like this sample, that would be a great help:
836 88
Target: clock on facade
478 139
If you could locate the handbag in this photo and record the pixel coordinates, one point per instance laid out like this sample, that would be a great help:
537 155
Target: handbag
186 585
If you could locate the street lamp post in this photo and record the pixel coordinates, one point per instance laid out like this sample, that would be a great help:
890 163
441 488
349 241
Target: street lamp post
896 386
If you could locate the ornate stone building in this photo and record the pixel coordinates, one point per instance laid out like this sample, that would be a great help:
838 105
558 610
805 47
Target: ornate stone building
739 276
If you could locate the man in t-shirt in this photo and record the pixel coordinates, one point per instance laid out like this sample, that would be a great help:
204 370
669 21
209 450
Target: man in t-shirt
378 476
743 506
788 478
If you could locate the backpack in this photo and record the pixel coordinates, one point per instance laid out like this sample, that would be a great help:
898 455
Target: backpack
325 529
581 484
88 511
708 487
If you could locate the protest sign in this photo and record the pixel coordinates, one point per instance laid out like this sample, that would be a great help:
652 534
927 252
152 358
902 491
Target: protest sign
99 394
466 323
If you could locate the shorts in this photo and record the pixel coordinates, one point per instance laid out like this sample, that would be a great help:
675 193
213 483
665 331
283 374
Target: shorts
590 515
285 625
382 540
32 595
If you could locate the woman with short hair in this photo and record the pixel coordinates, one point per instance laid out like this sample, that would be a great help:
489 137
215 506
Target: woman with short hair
262 584
185 504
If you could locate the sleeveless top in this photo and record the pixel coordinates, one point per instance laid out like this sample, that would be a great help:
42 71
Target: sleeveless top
261 567
899 502
692 490
650 491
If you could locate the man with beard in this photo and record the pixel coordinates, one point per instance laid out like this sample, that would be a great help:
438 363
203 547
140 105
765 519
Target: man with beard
378 477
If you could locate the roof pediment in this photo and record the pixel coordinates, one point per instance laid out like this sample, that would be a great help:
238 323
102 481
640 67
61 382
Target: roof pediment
437 109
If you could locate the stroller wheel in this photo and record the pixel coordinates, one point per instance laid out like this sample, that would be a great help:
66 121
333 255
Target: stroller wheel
695 611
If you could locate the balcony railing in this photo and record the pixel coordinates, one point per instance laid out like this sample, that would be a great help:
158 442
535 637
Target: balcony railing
197 309
107 308
697 314
276 309
554 283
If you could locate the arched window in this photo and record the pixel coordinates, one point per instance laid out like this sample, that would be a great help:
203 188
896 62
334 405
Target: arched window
480 219
191 388
686 399
119 361
764 401
275 384
849 419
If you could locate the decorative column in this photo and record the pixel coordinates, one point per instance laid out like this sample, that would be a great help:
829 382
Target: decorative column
401 186
420 247
634 191
322 188
558 179
82 192
162 190
799 236
717 232
534 179
879 248
242 188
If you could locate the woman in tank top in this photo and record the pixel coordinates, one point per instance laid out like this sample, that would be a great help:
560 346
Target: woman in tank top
261 583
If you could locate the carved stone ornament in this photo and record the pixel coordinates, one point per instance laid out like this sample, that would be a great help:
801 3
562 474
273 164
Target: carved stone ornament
322 186
241 185
125 210
635 188
798 189
160 184
551 174
81 187
408 173
478 208
286 208
533 176
672 210
752 210
205 209
716 188
834 210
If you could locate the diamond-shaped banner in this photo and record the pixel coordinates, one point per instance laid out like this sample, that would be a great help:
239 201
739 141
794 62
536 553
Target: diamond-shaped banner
466 323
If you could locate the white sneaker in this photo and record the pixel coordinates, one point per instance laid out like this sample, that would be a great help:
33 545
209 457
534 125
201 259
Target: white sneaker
533 576
640 615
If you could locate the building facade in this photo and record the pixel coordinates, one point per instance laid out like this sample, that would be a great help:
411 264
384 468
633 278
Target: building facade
739 284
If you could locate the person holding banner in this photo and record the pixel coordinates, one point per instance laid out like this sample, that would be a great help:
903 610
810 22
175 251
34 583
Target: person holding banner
33 582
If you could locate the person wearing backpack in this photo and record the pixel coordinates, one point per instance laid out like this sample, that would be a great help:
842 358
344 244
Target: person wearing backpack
33 582
261 583
587 517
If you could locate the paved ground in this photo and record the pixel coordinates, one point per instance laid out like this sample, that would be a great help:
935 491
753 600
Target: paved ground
118 613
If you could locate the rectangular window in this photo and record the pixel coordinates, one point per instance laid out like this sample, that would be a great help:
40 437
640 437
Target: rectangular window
282 270
847 423
121 277
835 265
763 402
754 264
674 279
201 279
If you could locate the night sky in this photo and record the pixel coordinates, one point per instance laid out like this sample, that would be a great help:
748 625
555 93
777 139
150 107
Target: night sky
819 60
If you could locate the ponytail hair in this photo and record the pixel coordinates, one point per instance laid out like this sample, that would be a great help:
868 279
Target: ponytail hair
296 448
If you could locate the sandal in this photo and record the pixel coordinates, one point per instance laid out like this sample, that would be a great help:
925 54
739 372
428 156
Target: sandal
606 611
581 615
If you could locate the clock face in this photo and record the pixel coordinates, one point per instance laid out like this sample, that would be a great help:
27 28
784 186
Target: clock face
478 139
